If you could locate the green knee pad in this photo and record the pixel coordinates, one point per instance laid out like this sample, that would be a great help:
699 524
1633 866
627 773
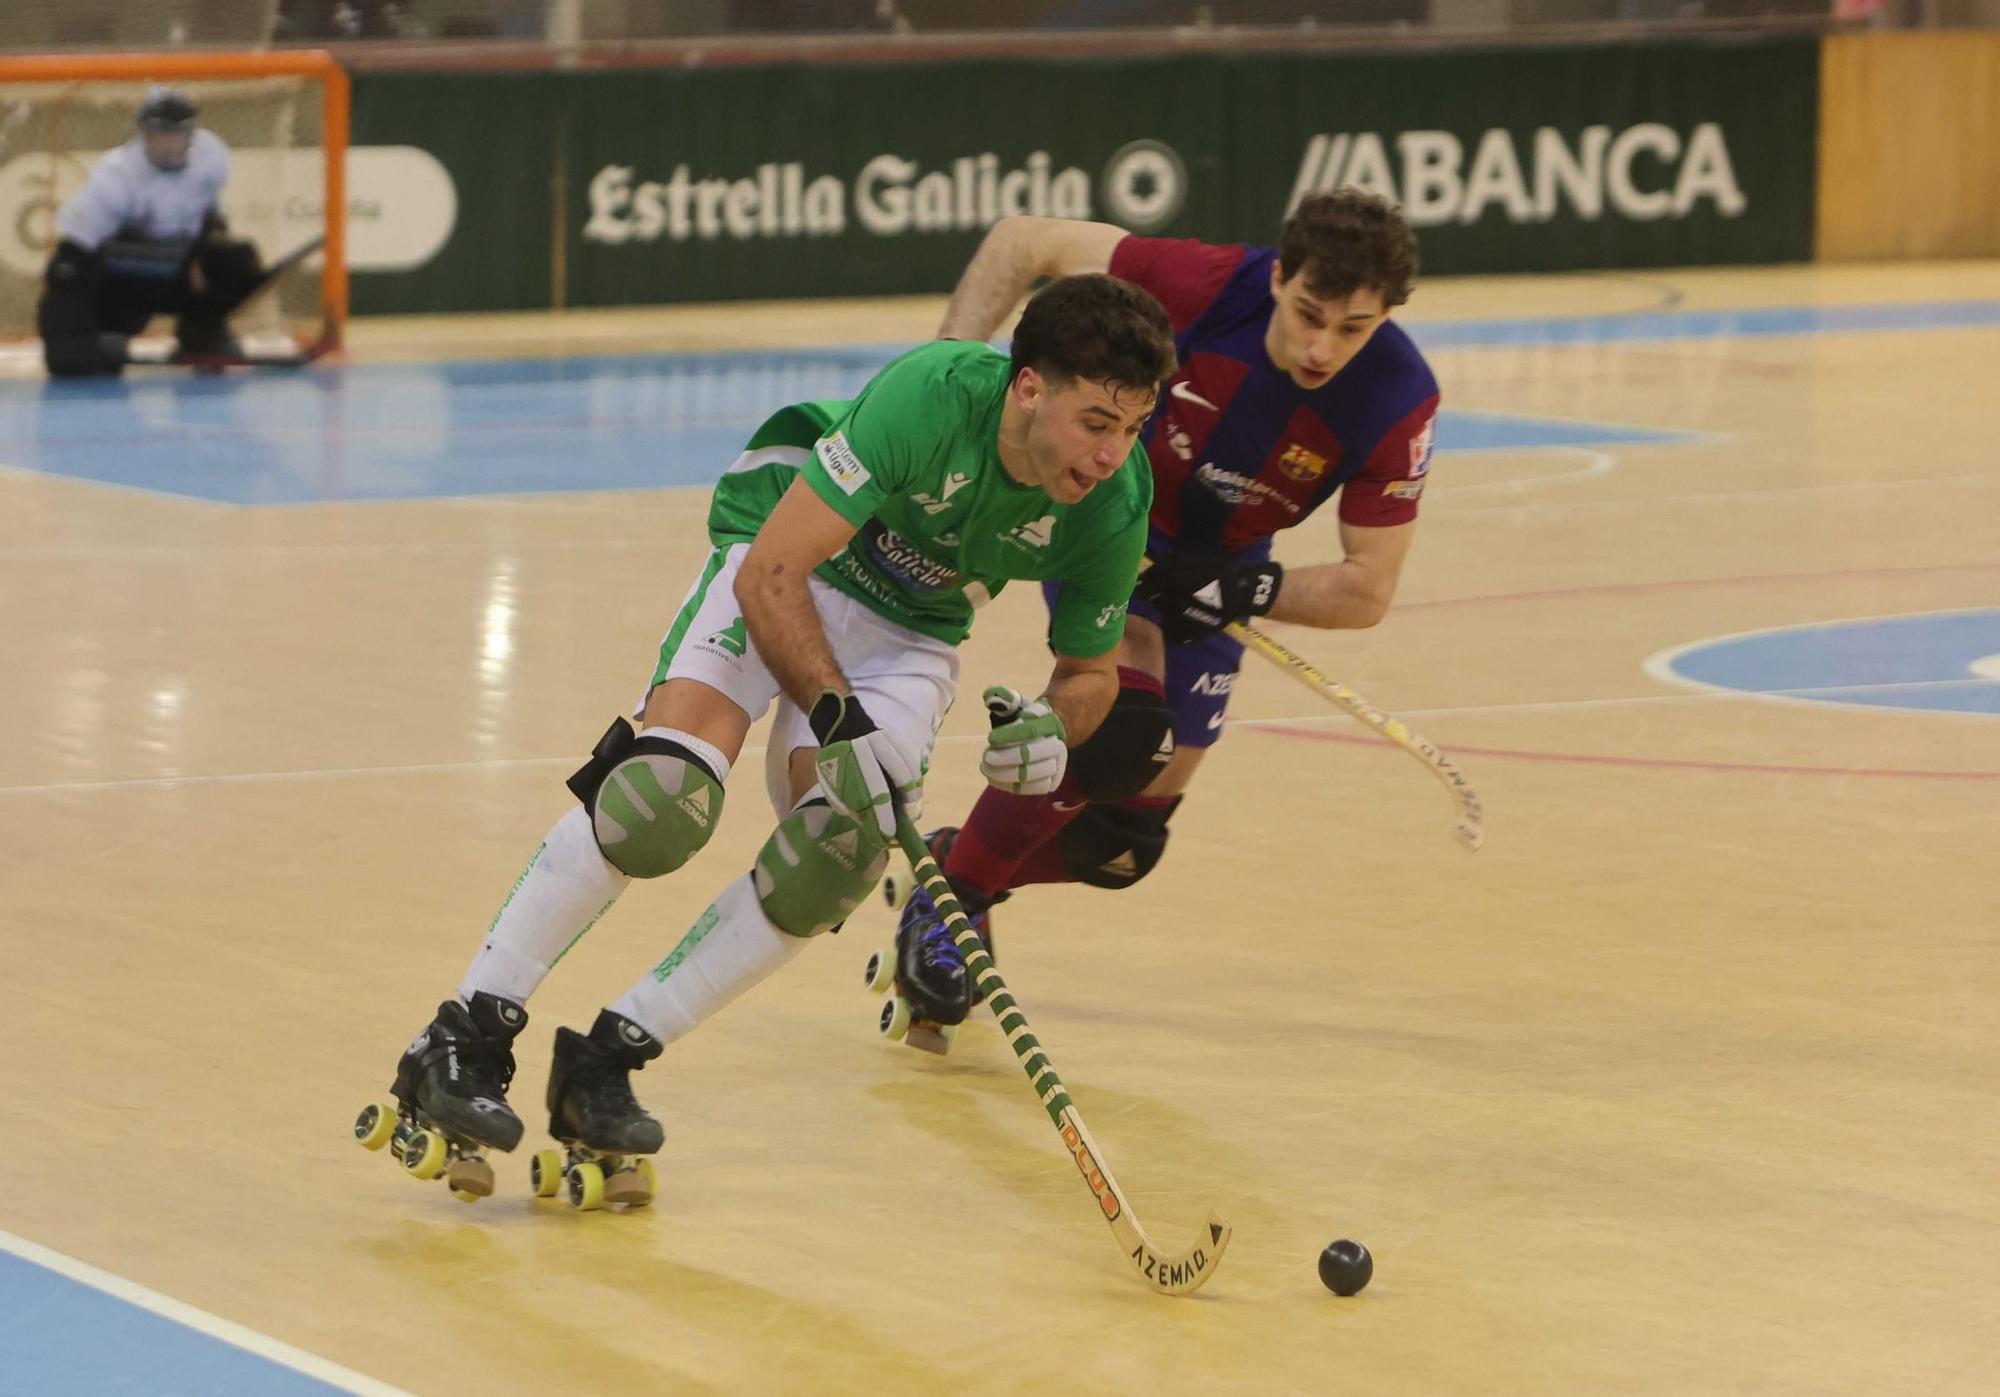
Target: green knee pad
815 869
654 812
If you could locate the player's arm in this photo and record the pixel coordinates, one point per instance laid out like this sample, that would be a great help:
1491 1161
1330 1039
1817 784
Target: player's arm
1080 693
96 212
802 532
1351 594
1028 749
1018 251
861 771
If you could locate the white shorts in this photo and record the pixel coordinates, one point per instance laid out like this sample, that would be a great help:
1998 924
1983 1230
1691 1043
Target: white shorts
904 679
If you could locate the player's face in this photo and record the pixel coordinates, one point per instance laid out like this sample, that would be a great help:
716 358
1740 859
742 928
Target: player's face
1312 337
1079 432
168 150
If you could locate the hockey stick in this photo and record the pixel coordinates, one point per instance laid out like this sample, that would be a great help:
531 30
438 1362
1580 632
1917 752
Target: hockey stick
1471 826
1179 1274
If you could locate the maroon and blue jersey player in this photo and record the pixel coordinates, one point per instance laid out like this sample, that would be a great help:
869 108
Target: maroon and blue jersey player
1295 388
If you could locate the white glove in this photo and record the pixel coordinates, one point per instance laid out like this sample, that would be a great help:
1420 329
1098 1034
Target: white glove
1026 753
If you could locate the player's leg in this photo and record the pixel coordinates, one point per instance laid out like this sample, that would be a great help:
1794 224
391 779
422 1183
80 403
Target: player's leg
231 272
75 344
812 871
1124 756
647 802
1114 844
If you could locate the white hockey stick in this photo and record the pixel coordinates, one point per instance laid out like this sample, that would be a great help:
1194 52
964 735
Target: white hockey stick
1471 825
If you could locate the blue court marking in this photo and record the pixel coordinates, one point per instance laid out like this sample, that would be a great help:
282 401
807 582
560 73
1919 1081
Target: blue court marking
626 422
1924 661
1499 431
59 1336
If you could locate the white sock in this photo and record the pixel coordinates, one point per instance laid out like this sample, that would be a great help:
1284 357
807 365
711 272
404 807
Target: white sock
566 888
731 947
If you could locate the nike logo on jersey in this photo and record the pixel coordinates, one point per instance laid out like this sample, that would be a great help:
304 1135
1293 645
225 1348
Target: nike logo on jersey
1185 392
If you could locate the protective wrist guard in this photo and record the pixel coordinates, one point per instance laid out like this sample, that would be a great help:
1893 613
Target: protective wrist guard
838 717
1198 594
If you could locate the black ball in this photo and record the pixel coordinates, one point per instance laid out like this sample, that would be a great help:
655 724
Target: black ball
1345 1267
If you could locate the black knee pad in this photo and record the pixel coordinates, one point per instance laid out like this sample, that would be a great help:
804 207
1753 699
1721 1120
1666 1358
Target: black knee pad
233 271
1130 748
1108 846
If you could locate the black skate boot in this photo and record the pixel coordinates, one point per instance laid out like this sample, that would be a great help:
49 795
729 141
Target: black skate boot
451 1097
605 1131
590 1088
930 969
456 1073
930 987
902 884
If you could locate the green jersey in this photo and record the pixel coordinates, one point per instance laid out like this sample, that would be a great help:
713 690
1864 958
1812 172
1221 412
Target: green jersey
914 462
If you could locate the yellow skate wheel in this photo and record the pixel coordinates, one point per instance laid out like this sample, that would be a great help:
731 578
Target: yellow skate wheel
423 1154
949 1032
895 1020
375 1124
896 887
881 971
586 1187
651 1176
545 1172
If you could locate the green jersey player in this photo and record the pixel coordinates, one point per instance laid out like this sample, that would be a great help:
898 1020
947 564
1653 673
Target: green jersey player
852 542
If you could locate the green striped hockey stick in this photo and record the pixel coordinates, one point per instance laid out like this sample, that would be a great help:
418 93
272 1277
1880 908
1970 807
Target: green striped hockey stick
1180 1273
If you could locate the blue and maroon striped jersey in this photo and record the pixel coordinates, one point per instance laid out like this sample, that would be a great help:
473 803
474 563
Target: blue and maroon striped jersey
1239 450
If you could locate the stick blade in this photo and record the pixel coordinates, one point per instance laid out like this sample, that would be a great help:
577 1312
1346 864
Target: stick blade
1187 1272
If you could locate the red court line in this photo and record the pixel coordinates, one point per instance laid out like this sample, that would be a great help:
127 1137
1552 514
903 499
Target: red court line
1666 763
1673 584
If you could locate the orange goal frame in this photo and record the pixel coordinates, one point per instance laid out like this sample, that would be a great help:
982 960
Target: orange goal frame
310 63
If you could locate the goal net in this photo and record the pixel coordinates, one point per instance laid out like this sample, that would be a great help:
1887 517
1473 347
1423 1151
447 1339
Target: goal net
284 119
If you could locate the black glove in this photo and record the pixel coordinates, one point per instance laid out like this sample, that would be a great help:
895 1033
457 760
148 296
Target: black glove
1197 594
838 717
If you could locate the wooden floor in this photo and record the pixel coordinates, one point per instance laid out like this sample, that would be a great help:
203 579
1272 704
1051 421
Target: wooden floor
1688 1083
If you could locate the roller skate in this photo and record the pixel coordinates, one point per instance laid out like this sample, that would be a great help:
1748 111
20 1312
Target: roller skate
606 1134
901 882
449 1101
930 992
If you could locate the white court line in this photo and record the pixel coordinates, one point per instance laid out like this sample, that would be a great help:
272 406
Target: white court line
1707 694
199 1320
1594 463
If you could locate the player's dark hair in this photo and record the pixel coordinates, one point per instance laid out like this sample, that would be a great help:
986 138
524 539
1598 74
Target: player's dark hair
1347 240
1098 329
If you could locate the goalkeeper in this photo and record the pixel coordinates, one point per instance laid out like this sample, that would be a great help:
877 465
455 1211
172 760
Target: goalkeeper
144 237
